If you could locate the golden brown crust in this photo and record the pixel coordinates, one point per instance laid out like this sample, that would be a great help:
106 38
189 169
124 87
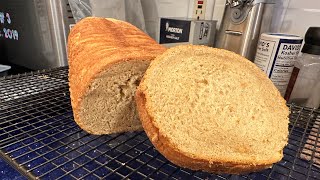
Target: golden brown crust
163 145
94 44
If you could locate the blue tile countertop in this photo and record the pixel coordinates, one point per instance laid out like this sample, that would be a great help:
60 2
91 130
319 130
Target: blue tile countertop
9 173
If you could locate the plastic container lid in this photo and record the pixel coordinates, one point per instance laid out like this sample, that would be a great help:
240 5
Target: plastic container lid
312 41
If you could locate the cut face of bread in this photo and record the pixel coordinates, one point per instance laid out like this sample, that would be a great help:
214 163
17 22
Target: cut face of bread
109 106
107 59
213 110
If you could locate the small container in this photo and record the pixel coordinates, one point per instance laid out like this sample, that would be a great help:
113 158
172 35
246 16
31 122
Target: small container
4 70
276 54
304 84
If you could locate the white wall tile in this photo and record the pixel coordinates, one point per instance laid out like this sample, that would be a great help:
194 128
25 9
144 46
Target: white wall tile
296 16
297 21
218 14
278 14
220 2
282 3
190 8
175 8
209 9
308 4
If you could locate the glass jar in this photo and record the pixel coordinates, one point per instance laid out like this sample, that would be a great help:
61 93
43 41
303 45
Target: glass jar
304 84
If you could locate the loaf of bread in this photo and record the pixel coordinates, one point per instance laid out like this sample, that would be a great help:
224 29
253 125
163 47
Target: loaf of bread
212 110
107 59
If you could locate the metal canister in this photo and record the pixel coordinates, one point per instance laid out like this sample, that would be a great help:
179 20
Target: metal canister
276 54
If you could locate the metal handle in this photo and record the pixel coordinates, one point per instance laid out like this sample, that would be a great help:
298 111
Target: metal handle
235 33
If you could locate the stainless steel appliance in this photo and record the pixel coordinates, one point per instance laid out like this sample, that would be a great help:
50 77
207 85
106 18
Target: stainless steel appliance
41 29
242 24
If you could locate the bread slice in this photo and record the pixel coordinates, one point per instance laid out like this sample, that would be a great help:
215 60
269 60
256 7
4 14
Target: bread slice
213 110
107 59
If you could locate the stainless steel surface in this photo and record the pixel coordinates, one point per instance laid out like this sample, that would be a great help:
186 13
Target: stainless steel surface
57 14
263 1
243 22
235 33
43 27
251 34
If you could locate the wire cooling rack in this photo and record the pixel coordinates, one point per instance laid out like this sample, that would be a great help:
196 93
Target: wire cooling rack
40 139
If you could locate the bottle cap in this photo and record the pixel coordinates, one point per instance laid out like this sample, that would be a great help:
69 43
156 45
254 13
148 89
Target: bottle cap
312 41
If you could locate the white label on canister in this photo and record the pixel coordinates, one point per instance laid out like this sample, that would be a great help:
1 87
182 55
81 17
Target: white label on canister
264 54
276 55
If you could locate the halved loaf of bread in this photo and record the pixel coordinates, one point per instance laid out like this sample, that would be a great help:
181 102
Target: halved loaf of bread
213 110
107 59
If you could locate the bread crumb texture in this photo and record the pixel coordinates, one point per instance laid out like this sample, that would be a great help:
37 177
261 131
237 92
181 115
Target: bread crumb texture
214 106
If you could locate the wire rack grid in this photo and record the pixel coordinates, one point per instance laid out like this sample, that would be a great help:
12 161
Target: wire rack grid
39 137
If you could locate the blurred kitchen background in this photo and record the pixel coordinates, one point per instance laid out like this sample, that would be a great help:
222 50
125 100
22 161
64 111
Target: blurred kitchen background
42 27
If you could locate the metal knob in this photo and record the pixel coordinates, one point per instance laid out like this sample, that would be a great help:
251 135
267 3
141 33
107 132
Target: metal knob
236 13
